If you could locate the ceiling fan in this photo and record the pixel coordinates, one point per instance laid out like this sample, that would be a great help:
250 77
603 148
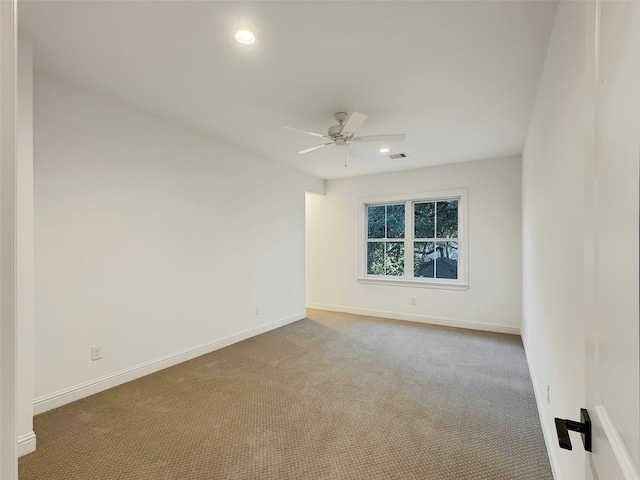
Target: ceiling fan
344 133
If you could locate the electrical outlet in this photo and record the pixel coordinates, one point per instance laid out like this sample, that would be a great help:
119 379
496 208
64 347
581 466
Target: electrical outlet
548 395
413 301
257 309
96 352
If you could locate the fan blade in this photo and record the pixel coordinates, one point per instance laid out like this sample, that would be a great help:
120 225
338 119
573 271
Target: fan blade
380 138
353 123
291 129
311 149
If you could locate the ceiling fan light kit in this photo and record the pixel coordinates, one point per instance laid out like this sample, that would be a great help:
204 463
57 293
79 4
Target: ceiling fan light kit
343 134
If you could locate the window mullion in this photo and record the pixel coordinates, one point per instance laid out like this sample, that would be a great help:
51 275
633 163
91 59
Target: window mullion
408 239
385 241
386 218
435 243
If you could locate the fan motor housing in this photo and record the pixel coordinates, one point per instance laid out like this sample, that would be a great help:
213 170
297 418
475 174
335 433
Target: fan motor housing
335 130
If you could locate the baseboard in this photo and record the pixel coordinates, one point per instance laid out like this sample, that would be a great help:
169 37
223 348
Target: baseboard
71 394
550 437
447 322
26 443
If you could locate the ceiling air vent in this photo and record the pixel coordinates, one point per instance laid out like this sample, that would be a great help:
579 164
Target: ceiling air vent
395 156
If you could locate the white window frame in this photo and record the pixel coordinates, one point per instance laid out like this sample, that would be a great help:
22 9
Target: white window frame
461 283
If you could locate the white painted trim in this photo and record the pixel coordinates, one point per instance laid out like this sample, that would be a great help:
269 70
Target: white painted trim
71 394
25 284
433 195
622 454
447 322
26 443
550 437
8 353
405 282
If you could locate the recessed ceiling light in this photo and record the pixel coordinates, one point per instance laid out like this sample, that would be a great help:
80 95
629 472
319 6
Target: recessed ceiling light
384 150
245 36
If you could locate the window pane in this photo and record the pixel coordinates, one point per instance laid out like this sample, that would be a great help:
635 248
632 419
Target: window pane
395 221
385 258
424 220
395 258
375 221
375 258
447 260
423 259
447 224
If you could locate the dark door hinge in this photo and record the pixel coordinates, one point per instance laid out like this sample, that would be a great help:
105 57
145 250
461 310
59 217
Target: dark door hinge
583 427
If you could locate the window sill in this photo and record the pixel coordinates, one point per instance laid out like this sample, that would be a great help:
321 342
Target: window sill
404 282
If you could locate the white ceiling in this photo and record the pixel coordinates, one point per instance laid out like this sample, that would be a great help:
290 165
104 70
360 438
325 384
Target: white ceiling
459 78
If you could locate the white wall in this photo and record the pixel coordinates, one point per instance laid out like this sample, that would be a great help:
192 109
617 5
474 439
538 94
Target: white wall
553 225
151 240
24 250
493 300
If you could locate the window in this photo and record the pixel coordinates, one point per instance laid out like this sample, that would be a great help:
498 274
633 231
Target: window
418 240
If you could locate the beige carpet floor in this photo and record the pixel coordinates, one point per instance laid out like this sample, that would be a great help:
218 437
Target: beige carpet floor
333 396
